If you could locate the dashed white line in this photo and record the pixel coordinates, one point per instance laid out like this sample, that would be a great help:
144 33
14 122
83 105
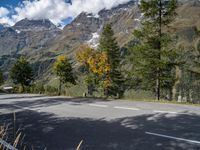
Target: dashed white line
172 137
126 108
167 112
20 107
97 105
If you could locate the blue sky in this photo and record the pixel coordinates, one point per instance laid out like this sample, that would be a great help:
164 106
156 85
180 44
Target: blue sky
7 3
60 12
11 4
14 3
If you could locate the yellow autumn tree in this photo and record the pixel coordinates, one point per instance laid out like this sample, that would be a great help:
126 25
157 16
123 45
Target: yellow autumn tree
97 63
84 53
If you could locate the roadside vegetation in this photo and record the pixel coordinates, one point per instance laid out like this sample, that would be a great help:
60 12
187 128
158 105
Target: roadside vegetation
64 71
21 73
150 67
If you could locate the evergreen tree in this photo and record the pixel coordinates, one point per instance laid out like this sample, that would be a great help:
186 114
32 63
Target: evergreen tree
21 73
188 81
64 70
109 45
1 77
153 56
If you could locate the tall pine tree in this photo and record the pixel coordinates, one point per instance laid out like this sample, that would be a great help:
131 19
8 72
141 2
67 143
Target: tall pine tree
152 56
109 45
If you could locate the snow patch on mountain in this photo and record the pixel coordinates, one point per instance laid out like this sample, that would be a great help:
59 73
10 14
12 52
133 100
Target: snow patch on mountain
94 41
18 32
139 19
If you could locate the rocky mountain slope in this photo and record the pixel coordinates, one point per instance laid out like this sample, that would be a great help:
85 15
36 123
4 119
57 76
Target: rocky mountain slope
86 28
41 41
26 37
27 34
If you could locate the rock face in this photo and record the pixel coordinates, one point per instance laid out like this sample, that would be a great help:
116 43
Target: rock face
41 41
1 27
34 25
86 28
27 34
32 37
26 37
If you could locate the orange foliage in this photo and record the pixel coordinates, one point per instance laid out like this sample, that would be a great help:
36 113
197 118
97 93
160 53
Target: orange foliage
84 53
97 63
95 60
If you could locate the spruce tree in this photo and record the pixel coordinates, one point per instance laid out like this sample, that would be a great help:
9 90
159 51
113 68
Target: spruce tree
152 56
109 45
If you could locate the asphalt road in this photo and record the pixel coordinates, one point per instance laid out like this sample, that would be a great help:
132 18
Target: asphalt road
59 123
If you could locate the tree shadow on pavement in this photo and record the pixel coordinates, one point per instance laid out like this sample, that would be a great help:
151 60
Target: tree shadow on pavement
45 130
30 102
11 97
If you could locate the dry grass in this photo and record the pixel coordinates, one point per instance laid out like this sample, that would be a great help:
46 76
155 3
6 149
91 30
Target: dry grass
5 138
79 146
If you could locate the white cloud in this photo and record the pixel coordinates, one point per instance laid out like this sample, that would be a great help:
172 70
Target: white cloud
6 20
3 12
92 6
58 10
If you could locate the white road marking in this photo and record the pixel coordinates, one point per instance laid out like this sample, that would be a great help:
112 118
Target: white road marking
172 137
20 107
97 105
167 112
126 108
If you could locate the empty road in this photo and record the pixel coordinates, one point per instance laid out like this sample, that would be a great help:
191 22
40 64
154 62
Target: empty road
60 123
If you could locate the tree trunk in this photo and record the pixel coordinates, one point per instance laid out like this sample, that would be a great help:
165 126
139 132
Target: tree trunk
60 87
106 92
159 52
90 89
171 94
158 87
23 88
174 88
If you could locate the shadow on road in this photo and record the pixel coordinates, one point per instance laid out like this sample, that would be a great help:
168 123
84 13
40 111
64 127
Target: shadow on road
31 102
8 96
46 130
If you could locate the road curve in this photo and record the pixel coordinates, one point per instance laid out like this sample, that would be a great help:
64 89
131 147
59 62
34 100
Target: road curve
60 123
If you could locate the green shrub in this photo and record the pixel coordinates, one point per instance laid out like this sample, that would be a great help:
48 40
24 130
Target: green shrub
51 90
37 88
139 95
